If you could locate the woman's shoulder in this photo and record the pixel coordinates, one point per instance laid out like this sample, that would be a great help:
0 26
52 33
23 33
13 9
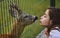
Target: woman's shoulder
54 31
55 34
41 34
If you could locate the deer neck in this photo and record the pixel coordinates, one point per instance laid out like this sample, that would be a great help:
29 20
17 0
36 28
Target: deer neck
17 29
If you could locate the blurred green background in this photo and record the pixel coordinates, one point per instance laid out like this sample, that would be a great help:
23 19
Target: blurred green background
33 7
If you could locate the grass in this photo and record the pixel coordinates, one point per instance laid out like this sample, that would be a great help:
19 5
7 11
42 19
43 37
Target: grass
33 7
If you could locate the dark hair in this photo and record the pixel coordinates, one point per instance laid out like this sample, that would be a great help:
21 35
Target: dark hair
54 14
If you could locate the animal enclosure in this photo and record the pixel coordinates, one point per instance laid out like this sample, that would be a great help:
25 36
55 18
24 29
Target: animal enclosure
31 7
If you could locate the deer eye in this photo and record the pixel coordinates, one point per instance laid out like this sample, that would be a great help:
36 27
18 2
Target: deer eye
25 16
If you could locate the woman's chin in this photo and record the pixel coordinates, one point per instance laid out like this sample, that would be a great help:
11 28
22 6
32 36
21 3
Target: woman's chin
43 25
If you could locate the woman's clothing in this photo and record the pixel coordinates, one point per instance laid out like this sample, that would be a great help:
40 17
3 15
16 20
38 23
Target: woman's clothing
42 34
53 34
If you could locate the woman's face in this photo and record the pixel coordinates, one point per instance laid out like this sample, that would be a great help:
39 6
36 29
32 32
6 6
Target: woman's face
45 19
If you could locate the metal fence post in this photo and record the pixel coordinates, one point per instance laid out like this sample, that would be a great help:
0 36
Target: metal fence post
52 3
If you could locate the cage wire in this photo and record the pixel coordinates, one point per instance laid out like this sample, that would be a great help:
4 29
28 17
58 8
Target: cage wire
6 20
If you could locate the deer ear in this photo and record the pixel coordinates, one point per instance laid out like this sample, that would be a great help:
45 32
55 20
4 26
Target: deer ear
15 6
13 12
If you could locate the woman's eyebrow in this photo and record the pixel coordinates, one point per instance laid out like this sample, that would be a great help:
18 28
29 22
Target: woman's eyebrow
45 14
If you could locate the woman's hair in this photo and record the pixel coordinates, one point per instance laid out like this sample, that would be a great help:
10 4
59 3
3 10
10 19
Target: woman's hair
54 14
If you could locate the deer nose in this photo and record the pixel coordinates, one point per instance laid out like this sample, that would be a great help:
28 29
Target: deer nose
35 18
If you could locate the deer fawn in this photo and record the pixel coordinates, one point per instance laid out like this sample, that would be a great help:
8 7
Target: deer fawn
22 20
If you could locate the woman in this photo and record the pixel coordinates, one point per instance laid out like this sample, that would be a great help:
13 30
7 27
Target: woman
51 20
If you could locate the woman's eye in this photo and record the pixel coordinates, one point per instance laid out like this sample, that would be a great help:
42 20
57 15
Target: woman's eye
45 16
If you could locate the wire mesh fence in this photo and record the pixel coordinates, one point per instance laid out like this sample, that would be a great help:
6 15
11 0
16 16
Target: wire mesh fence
5 18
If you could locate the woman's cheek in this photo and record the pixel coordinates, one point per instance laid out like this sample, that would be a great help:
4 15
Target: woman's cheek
43 21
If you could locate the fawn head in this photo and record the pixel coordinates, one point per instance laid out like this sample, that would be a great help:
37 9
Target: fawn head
22 17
